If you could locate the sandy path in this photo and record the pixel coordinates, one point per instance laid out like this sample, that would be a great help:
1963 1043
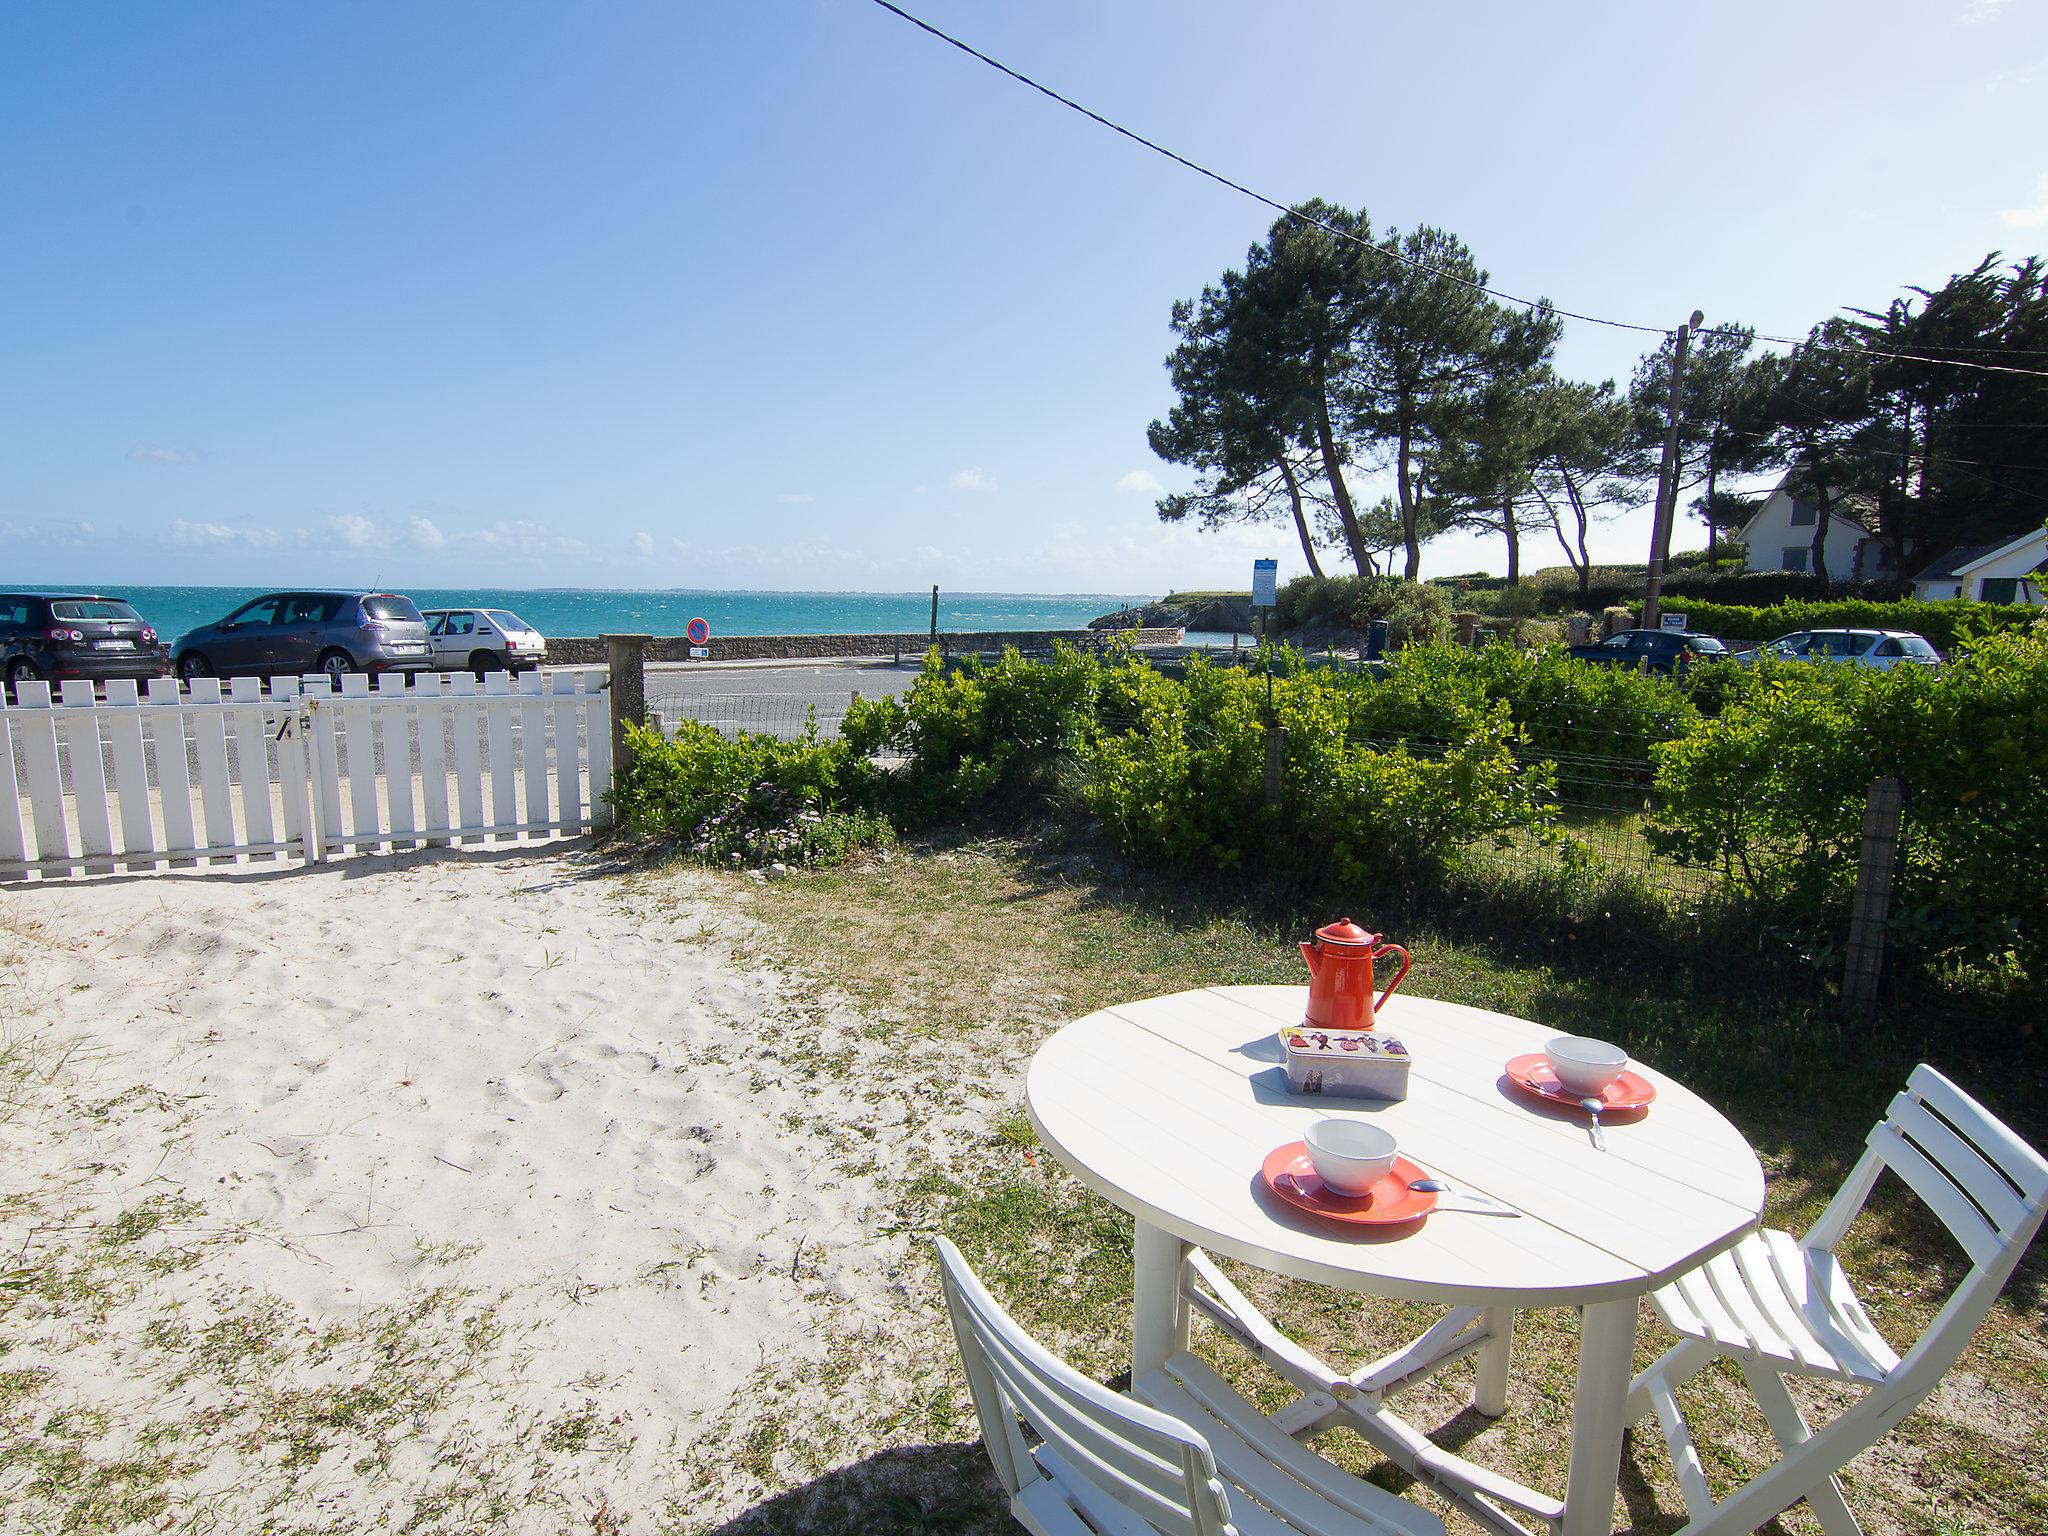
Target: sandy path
487 1104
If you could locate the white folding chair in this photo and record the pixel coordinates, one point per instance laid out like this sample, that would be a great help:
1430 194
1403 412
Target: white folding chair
1198 1461
1775 1306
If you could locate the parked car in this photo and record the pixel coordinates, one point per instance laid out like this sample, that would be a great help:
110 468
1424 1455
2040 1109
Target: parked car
291 633
1653 650
1881 649
50 636
483 640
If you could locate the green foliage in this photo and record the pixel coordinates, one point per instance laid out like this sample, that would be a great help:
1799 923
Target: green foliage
1771 792
1334 602
1419 615
1946 624
753 798
1185 785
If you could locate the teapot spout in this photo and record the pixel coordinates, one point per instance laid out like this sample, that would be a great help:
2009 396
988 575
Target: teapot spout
1314 957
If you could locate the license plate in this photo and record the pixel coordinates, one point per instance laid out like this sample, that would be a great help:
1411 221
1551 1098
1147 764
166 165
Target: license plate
113 645
410 645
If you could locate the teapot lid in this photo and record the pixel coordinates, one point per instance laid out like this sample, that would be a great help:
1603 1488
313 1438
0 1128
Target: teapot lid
1345 934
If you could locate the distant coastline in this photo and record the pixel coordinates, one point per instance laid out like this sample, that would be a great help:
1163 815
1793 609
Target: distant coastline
591 611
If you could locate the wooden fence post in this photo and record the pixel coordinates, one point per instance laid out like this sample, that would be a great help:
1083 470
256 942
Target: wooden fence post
1876 866
1276 762
627 657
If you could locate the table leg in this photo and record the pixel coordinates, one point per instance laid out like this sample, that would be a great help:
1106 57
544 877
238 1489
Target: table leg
1607 1355
1490 1394
1159 1310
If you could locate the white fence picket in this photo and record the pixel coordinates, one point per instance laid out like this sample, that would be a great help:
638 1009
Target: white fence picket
252 765
325 767
131 772
541 739
567 688
601 759
533 753
210 750
173 777
433 719
395 734
498 732
13 847
80 729
469 776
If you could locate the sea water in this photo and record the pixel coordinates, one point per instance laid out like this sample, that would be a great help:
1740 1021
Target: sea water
174 610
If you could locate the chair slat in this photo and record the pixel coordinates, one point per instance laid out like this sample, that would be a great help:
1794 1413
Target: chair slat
1720 1326
1987 1184
1758 1266
1075 1491
1729 1283
1979 1239
2025 1167
1815 1284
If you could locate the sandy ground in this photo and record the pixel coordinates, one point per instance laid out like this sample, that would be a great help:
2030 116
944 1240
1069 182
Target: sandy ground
518 1183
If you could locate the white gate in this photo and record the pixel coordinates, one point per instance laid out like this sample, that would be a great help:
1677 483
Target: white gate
303 771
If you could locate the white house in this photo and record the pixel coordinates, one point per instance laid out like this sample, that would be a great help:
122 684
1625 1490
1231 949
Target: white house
1779 537
2013 572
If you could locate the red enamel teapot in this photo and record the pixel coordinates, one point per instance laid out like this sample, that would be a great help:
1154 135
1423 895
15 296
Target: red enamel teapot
1340 975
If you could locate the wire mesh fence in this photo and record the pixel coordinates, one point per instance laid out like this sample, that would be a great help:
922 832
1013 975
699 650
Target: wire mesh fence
785 716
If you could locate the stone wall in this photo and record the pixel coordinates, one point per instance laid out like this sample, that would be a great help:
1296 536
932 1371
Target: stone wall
589 650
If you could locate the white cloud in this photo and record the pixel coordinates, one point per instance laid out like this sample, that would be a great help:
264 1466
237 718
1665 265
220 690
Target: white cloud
795 499
216 534
425 535
2035 217
150 454
1143 482
976 479
643 544
356 532
87 529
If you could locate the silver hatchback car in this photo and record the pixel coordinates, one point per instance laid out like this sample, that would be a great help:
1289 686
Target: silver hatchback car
294 633
483 640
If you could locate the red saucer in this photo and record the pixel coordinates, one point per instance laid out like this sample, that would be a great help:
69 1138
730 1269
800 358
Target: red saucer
1533 1074
1290 1175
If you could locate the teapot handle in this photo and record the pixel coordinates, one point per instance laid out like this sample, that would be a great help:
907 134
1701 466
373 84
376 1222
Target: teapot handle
1405 962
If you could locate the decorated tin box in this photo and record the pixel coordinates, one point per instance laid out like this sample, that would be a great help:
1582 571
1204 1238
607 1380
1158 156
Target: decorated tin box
1360 1063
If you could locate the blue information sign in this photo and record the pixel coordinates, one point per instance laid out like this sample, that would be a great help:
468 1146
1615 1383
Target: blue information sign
1265 580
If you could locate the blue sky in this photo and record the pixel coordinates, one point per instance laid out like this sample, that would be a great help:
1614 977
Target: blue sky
787 294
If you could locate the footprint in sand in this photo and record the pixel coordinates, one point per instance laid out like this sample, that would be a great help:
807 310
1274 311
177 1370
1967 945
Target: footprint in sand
259 1198
538 1085
640 1063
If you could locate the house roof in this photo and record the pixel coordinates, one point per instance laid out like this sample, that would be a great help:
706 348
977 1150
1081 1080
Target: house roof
1835 518
1993 552
1956 561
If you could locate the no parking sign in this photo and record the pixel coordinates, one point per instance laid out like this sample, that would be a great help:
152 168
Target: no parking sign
699 634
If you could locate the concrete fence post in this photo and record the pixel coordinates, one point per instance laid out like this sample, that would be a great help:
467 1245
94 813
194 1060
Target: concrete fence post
1876 867
1276 762
626 655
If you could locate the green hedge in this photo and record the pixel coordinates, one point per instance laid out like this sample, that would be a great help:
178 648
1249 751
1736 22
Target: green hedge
1946 624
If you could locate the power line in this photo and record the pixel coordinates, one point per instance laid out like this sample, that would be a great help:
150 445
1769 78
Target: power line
1256 196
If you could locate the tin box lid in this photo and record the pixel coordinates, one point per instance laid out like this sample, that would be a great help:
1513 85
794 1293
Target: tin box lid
1345 934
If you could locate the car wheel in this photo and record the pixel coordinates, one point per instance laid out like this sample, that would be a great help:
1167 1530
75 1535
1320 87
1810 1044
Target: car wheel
337 664
22 670
193 664
481 662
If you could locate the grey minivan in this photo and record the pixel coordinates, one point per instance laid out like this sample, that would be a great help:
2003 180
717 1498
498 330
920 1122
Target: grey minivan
292 633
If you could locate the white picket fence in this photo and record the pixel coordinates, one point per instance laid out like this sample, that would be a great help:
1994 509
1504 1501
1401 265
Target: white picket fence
178 779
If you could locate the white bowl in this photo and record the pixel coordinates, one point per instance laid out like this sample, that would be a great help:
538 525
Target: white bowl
1349 1155
1585 1066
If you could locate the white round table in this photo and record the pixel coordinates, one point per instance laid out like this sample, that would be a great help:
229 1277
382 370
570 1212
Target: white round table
1168 1107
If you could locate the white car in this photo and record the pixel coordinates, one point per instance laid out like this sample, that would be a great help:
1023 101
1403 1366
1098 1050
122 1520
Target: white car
1881 649
483 640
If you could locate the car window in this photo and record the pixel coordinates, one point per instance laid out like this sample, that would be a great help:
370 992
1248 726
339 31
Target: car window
1706 645
310 608
1833 642
102 609
1888 648
1616 643
459 624
13 614
511 623
1918 648
396 610
262 611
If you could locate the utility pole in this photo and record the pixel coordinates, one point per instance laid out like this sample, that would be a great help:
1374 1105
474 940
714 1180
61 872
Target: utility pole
1667 481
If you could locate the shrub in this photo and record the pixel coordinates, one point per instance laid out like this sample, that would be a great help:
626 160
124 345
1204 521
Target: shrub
1521 601
1771 792
1947 623
1333 602
1186 785
1419 615
755 797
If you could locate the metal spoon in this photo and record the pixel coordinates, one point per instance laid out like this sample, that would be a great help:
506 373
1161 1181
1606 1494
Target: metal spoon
1481 1206
1593 1107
